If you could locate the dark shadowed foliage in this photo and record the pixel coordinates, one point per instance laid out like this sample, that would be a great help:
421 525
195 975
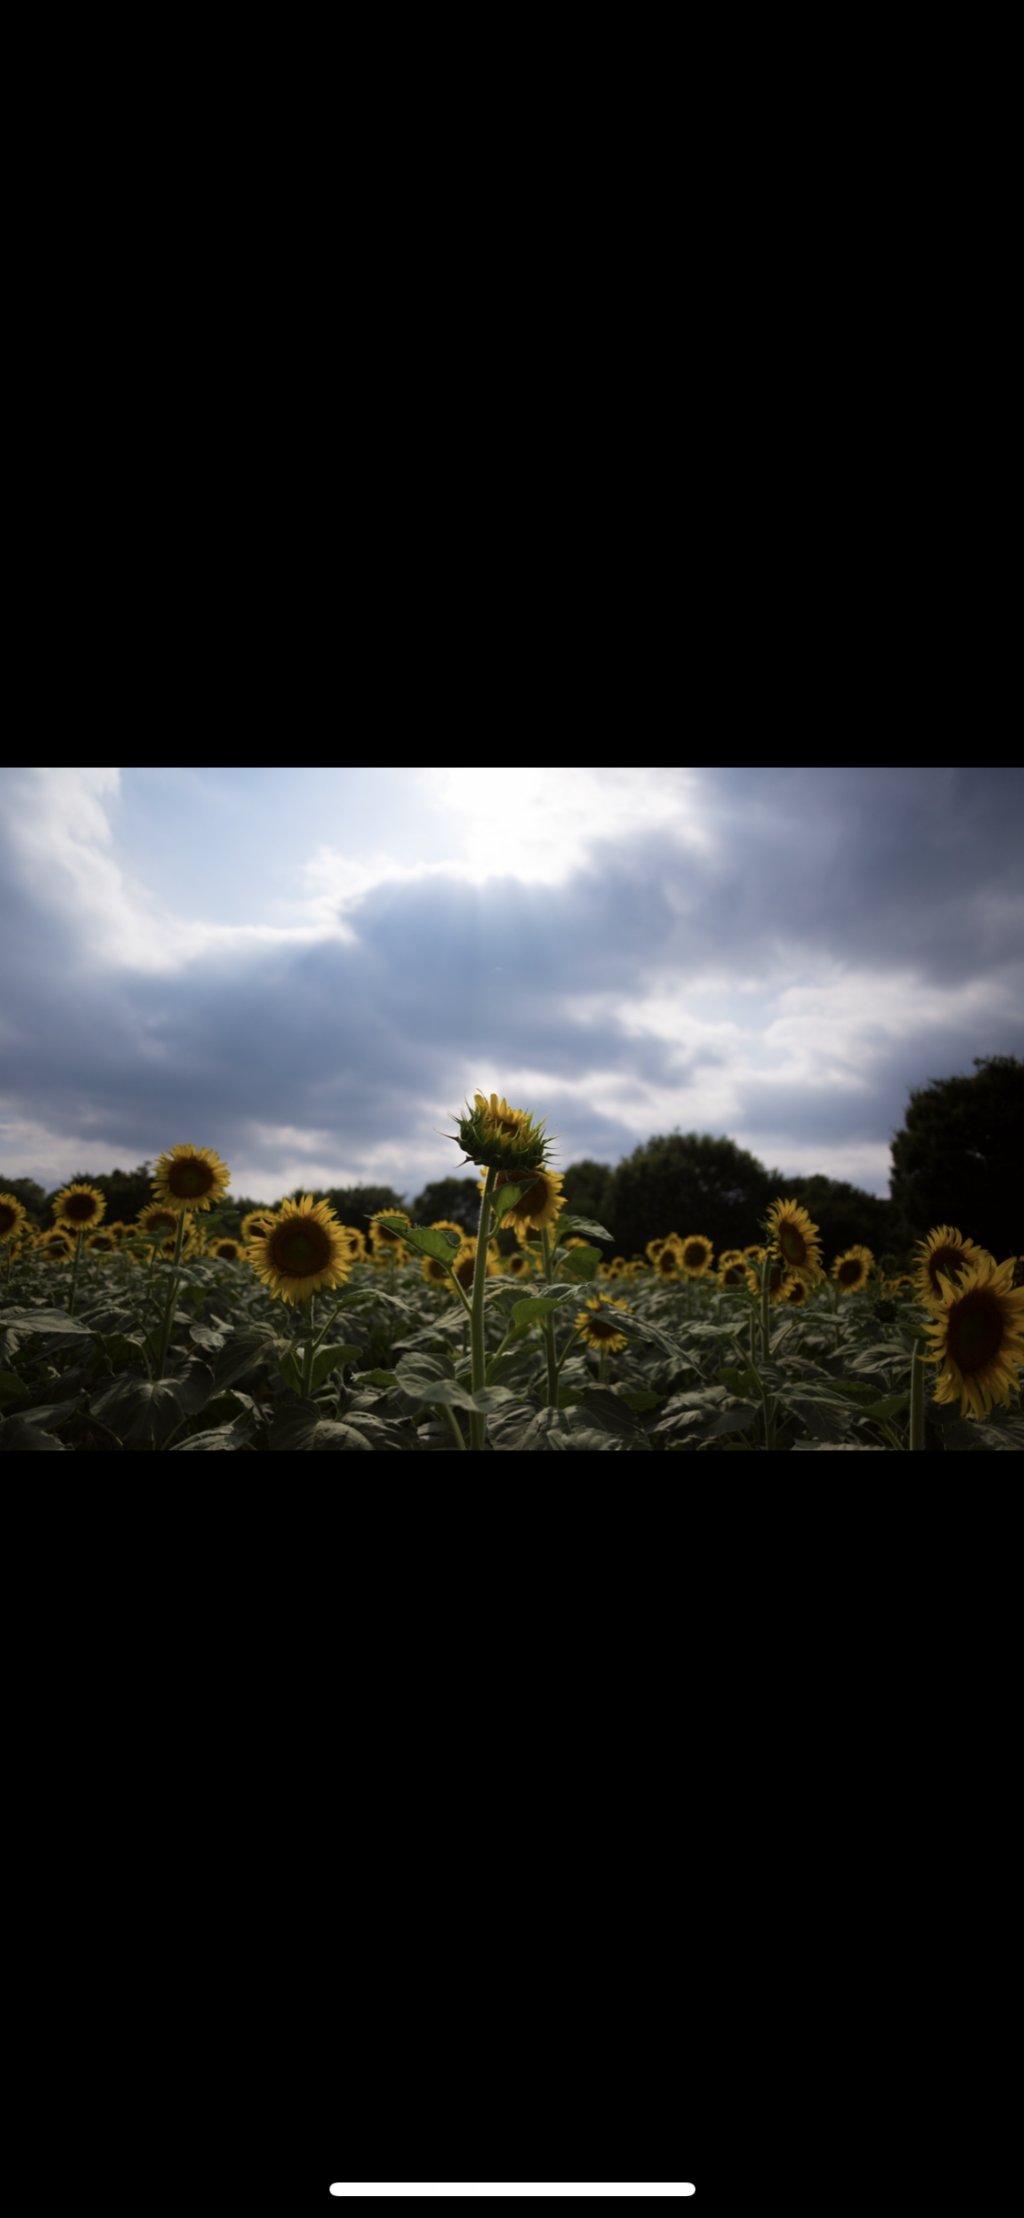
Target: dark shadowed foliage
586 1190
458 1199
957 1160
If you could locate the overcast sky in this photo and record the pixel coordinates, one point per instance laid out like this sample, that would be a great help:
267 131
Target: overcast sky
311 970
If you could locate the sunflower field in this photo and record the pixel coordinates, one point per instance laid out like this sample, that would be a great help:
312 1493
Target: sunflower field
305 1333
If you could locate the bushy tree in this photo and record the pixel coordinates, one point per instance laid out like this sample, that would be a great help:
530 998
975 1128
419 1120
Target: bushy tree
353 1205
957 1159
586 1189
688 1182
458 1199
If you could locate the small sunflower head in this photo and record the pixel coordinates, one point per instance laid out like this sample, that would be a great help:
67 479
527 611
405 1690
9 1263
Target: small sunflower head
188 1177
853 1269
597 1326
302 1249
500 1138
538 1206
944 1253
13 1216
695 1255
80 1206
228 1251
795 1240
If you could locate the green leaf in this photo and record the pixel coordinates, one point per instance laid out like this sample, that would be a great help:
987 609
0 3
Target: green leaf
591 1231
12 1389
507 1197
583 1263
143 1413
327 1360
532 1307
442 1246
18 1433
41 1320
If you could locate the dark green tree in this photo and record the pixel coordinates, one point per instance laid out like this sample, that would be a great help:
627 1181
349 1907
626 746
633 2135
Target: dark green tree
353 1205
458 1199
586 1189
687 1183
957 1159
31 1197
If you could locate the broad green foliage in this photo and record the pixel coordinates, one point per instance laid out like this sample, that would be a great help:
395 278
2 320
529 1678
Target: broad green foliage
389 1366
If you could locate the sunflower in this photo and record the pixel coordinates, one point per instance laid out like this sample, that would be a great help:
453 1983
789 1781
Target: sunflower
668 1261
229 1251
695 1255
102 1242
734 1270
81 1206
498 1137
257 1220
654 1248
155 1222
356 1242
755 1252
852 1269
978 1337
943 1254
465 1264
118 1230
56 1244
518 1265
187 1177
538 1206
301 1250
792 1233
794 1290
596 1324
13 1216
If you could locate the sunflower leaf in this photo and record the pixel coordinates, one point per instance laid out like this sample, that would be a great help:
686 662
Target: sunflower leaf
581 1263
507 1197
424 1240
585 1225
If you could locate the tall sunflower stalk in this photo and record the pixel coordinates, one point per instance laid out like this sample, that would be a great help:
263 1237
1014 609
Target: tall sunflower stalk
508 1145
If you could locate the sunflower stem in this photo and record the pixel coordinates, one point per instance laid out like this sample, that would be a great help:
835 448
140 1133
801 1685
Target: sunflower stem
74 1270
454 1423
917 1364
308 1354
477 1428
547 1324
179 1242
766 1304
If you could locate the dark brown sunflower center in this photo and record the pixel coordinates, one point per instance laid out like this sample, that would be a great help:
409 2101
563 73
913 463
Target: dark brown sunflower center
733 1274
950 1261
8 1219
974 1334
602 1328
694 1254
848 1273
191 1180
793 1244
667 1262
81 1208
164 1220
464 1270
300 1250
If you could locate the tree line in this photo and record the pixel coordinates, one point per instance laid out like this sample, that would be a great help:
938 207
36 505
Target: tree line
956 1161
